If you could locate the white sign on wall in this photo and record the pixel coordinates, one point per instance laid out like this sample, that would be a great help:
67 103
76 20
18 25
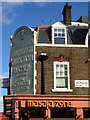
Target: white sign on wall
81 83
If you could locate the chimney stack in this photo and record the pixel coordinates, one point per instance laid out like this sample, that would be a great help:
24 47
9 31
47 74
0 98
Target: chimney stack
67 14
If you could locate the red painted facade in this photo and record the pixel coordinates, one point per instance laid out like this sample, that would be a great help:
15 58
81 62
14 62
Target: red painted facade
78 103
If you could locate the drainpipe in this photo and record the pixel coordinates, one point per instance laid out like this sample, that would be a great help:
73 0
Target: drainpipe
43 57
42 77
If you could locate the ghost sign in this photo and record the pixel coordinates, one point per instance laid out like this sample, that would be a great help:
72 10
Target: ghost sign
22 61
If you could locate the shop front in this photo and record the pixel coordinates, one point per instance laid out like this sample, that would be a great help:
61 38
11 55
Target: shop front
51 107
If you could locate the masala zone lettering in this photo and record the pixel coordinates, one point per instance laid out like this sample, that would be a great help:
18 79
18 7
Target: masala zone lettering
49 104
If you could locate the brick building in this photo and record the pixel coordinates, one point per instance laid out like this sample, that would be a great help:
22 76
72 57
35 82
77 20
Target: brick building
49 69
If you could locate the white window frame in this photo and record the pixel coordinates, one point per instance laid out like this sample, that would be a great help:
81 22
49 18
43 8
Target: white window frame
61 89
59 37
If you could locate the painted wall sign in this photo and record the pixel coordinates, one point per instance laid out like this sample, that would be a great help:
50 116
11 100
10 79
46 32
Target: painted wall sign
81 83
22 62
5 82
48 104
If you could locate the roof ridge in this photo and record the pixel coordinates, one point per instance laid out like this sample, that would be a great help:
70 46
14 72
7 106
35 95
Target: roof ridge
44 26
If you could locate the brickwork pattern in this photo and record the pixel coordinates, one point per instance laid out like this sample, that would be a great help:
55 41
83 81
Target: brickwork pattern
78 68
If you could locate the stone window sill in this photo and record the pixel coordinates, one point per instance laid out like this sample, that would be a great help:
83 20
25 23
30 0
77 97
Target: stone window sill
61 90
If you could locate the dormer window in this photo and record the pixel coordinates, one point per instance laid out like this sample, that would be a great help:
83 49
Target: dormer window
59 36
59 33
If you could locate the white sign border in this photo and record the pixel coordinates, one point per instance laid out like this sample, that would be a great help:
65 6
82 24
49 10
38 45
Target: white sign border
81 83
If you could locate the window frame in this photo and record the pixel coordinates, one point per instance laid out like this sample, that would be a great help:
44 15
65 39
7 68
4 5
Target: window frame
61 63
65 37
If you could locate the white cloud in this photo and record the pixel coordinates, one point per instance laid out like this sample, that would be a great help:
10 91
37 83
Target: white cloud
8 14
8 9
6 19
4 75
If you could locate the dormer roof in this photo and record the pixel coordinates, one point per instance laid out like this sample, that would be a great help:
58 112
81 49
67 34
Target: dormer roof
76 34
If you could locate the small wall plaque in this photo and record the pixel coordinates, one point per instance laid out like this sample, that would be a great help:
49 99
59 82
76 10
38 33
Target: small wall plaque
81 83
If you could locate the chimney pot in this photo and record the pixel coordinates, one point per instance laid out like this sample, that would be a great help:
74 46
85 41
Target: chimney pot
67 4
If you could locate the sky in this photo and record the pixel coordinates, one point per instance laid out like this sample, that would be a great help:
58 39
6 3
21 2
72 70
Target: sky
31 14
17 14
1 97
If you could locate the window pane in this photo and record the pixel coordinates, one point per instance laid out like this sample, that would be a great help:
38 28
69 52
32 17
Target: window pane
57 71
86 113
37 113
57 74
55 34
57 68
59 30
63 35
61 70
65 67
61 82
62 113
63 30
59 35
61 73
61 67
65 73
59 41
55 30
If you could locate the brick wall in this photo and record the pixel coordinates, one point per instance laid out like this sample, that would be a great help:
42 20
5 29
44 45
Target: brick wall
78 68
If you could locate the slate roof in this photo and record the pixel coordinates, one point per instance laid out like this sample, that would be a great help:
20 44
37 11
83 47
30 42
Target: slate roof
44 35
75 35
